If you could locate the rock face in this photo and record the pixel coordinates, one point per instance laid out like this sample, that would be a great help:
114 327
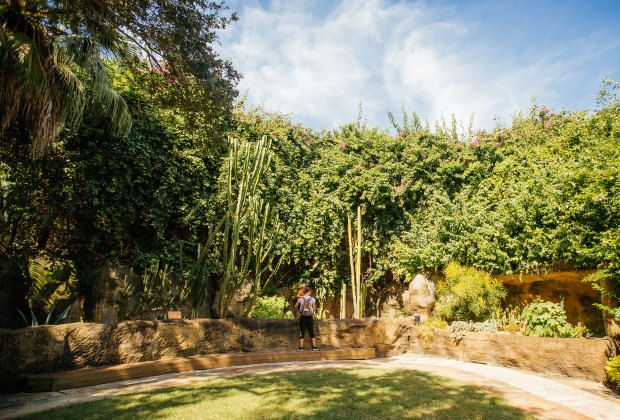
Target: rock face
559 286
421 297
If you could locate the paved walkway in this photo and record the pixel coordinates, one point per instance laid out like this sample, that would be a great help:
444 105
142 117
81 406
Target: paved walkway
545 398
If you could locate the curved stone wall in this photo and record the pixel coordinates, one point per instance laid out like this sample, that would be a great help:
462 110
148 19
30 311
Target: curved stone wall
70 346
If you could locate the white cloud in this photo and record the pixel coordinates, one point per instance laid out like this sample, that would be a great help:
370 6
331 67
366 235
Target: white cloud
318 65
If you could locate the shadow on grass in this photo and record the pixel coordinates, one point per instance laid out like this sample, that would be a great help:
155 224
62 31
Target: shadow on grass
324 394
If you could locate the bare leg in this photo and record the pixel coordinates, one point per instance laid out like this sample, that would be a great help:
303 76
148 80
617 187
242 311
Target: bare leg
313 342
301 342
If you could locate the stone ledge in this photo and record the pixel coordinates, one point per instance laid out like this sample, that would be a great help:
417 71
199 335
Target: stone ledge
101 375
582 358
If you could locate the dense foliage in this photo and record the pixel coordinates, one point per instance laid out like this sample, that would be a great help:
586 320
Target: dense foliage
79 189
540 194
51 51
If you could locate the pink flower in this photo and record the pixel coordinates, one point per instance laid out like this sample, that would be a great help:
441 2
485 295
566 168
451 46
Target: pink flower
598 198
398 190
547 124
343 145
496 144
544 110
475 143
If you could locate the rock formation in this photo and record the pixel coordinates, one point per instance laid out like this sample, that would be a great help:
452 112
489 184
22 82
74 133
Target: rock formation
421 297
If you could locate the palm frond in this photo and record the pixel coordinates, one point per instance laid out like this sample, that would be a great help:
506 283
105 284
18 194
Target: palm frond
43 70
49 284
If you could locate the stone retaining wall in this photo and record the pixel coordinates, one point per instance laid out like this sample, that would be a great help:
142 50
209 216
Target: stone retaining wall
70 346
583 358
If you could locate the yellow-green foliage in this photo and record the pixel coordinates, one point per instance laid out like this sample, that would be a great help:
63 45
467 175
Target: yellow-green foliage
509 319
468 294
271 307
436 323
612 368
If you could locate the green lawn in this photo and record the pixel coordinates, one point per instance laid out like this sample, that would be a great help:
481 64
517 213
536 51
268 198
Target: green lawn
324 394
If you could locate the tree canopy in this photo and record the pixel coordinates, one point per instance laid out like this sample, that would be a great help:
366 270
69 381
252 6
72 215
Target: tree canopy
53 57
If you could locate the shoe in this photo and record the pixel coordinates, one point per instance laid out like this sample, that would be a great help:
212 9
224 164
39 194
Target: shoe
300 349
315 348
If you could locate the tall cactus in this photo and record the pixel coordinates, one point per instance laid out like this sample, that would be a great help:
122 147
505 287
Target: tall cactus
249 229
249 217
343 300
355 260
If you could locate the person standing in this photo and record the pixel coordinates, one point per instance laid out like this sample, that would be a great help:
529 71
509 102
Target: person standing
305 309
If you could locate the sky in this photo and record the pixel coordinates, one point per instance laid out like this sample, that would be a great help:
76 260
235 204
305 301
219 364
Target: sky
319 60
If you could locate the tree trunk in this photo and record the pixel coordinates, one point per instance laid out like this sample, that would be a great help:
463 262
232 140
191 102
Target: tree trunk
13 289
98 283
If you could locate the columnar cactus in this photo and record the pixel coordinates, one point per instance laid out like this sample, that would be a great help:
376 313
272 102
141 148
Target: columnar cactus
355 260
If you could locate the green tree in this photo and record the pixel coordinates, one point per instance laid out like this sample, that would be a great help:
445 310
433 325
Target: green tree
51 49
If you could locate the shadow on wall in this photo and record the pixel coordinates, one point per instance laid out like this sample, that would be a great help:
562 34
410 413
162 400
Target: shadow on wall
565 286
51 348
388 337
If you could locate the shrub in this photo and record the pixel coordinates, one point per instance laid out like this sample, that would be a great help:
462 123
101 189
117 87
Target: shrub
459 328
511 328
509 319
462 326
548 319
271 307
436 323
468 294
612 369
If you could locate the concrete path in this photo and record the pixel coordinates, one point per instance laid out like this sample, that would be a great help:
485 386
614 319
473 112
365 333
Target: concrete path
545 398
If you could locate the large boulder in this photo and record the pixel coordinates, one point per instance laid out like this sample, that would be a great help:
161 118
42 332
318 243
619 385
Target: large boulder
421 297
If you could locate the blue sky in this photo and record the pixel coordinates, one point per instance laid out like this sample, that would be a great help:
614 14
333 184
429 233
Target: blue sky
317 60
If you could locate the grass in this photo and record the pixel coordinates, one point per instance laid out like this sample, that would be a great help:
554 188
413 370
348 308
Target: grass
324 394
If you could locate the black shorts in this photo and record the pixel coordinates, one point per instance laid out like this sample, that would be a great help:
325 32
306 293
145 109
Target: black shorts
306 322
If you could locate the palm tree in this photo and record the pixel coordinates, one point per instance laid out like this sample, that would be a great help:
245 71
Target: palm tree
53 55
47 65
